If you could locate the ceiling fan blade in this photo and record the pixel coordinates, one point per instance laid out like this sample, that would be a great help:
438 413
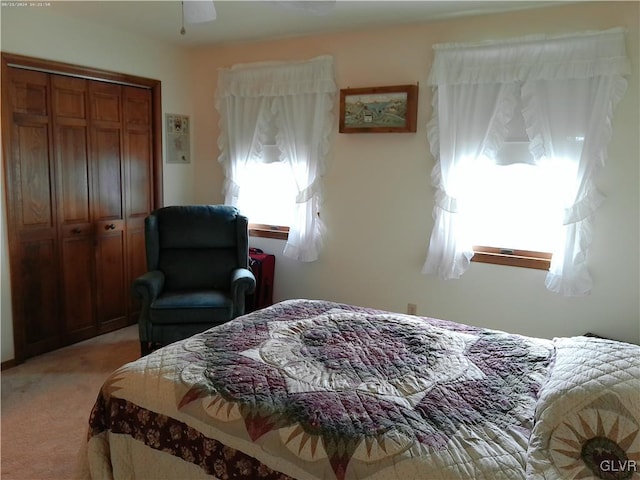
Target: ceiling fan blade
199 11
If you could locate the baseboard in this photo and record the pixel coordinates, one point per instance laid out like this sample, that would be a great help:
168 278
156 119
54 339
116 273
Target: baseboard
8 364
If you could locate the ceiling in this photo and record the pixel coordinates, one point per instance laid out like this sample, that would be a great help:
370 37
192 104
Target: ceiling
242 21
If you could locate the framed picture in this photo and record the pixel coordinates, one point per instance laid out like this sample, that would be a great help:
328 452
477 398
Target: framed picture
379 109
178 138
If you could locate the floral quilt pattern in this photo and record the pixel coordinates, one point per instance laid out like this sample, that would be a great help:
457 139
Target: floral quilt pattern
370 386
345 392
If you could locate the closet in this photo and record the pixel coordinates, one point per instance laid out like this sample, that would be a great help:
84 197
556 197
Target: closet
82 170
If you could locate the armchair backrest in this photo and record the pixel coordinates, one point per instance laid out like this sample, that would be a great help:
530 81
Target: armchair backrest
197 246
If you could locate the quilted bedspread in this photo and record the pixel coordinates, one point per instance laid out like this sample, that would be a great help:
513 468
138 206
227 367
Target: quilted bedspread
313 389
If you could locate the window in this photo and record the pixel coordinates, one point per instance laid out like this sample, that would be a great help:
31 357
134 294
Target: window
510 218
268 195
563 90
514 205
275 123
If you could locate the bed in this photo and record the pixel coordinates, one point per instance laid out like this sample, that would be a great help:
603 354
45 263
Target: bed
311 389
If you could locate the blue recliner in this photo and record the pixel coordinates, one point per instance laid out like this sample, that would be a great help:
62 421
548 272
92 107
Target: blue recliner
197 257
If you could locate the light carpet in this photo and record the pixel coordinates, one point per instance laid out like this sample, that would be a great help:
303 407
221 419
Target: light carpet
46 403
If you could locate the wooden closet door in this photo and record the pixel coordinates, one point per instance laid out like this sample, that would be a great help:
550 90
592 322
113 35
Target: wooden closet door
73 172
112 291
31 212
82 158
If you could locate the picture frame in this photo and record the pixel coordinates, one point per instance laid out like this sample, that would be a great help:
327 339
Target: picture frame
178 138
379 109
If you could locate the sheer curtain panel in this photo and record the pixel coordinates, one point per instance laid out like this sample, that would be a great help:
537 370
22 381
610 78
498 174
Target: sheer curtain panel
298 97
568 87
471 120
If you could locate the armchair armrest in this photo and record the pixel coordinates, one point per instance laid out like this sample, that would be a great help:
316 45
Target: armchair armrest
243 282
147 287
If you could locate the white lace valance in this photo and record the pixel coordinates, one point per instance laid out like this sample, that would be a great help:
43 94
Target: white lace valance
269 79
581 55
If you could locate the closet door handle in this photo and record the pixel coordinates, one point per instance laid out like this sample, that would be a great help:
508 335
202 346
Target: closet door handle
76 231
110 226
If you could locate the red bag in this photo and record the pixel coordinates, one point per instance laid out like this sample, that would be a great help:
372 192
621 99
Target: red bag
263 266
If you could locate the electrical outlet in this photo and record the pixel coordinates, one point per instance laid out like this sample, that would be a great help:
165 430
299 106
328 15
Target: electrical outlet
412 308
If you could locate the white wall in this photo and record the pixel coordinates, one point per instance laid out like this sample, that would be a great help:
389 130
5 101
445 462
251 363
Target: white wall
379 197
378 192
42 33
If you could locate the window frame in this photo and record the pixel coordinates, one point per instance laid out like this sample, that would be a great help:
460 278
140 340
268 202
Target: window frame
278 232
268 230
512 257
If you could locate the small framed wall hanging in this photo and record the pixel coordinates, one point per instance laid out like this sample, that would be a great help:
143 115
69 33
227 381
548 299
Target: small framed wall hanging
178 138
379 109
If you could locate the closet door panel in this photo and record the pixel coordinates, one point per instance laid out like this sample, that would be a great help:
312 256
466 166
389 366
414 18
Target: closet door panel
139 168
32 229
32 175
29 92
70 110
110 274
77 274
138 148
138 193
107 154
69 97
72 150
109 228
108 205
30 170
73 165
37 276
106 102
107 178
76 240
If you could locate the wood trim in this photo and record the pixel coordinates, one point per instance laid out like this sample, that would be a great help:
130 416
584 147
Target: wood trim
156 131
89 73
268 231
513 258
19 340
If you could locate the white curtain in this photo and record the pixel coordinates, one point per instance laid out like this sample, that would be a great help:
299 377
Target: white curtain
568 87
471 123
299 98
239 144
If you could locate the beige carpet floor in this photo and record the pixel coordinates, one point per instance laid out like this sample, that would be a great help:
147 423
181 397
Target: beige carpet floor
46 403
